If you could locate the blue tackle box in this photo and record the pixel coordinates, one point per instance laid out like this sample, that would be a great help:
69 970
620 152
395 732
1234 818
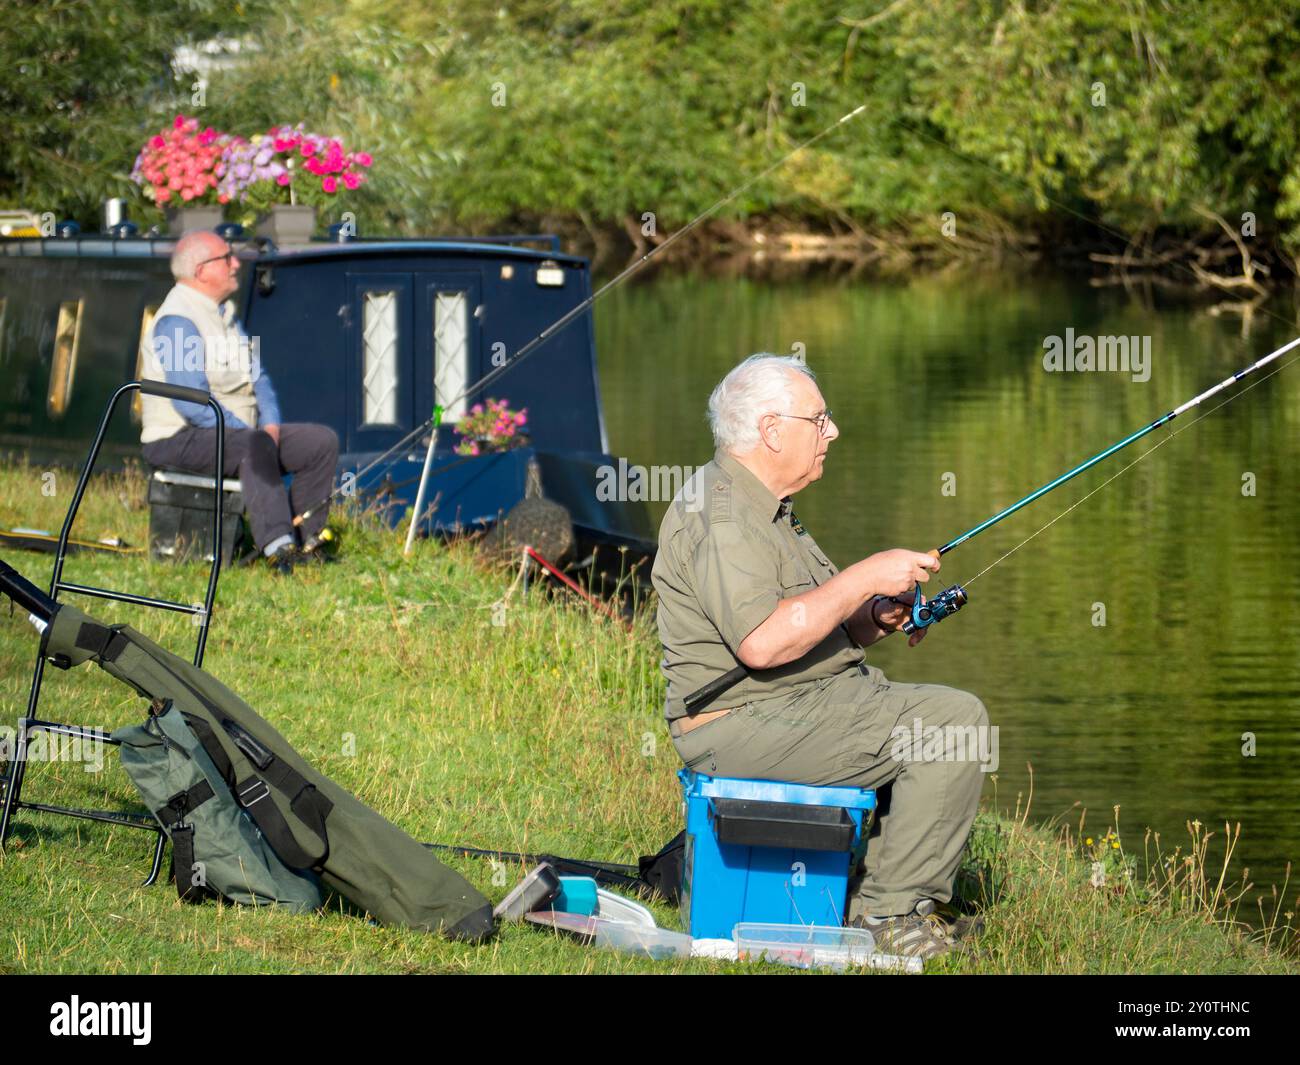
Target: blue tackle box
769 852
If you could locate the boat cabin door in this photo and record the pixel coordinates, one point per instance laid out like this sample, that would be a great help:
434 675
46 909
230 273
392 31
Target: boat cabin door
415 342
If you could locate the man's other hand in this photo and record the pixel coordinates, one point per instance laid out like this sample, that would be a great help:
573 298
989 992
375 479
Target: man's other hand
889 615
273 431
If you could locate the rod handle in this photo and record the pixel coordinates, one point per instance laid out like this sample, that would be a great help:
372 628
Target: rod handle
25 593
714 688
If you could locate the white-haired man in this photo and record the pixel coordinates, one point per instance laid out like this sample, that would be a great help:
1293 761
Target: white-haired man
196 342
740 580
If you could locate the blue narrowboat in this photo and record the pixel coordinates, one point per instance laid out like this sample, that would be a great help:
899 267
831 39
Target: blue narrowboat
363 335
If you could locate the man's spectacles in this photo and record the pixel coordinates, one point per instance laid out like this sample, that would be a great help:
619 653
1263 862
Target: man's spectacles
228 257
821 420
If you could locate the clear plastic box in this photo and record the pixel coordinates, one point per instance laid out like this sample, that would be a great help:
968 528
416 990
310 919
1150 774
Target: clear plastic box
804 946
638 939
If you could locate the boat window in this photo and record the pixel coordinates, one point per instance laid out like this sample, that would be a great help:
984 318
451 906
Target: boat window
67 337
450 353
141 353
379 362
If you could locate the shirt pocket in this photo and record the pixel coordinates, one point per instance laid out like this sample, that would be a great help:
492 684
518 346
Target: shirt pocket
820 556
794 577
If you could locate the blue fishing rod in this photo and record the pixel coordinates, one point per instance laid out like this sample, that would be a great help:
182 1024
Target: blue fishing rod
950 600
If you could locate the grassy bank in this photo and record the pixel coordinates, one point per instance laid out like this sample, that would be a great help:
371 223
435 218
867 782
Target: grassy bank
398 678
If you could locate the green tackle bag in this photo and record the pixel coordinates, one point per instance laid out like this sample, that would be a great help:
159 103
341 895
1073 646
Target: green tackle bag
217 848
311 824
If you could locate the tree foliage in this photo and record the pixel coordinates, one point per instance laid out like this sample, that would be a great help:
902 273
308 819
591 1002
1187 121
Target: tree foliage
1135 115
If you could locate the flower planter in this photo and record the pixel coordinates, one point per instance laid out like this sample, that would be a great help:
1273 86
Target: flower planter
182 220
288 224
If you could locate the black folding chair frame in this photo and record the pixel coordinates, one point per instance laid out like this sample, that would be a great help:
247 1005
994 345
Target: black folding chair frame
12 783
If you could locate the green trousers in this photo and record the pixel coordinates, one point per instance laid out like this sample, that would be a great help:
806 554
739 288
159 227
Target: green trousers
931 743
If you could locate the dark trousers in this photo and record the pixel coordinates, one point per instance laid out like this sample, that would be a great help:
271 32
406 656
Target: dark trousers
310 452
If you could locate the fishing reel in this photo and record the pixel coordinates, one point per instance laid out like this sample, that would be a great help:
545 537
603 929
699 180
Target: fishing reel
949 601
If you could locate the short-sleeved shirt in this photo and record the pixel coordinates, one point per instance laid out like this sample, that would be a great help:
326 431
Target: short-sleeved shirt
729 552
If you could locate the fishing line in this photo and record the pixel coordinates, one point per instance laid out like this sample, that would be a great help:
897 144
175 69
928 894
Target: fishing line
1125 469
560 323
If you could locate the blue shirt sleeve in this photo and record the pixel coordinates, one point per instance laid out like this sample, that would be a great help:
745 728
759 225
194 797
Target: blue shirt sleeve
178 346
268 406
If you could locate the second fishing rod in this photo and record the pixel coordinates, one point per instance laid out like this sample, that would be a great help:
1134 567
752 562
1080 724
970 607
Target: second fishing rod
434 420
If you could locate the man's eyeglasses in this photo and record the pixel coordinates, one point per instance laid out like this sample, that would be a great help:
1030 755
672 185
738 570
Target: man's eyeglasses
821 420
228 257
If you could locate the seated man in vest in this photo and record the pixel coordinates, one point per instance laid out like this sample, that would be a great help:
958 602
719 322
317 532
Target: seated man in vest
740 580
196 342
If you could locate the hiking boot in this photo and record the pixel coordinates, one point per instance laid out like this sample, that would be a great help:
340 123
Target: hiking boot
910 935
961 925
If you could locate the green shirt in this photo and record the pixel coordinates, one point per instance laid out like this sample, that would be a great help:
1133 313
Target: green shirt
729 551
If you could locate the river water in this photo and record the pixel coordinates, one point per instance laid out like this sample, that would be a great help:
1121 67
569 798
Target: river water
1144 650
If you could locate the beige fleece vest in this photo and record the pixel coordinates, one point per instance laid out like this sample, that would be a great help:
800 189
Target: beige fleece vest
226 356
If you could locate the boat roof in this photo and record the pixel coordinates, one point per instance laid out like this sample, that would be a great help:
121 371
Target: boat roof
107 247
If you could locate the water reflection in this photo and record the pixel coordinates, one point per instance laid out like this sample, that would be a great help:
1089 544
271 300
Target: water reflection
940 382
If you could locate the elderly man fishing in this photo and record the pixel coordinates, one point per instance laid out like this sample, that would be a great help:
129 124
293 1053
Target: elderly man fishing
196 342
740 580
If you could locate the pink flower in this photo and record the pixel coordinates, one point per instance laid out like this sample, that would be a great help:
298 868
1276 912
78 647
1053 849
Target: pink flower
307 148
329 185
364 158
157 142
283 178
179 123
162 195
351 180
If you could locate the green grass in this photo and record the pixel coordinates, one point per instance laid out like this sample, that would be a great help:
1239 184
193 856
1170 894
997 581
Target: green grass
542 734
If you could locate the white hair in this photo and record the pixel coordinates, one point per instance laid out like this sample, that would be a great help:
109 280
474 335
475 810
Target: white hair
759 385
191 250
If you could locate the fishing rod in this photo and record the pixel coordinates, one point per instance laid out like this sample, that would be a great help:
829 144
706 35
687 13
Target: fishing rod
559 324
950 600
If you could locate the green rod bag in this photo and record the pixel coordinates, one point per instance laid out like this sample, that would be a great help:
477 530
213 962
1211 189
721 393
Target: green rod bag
310 821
